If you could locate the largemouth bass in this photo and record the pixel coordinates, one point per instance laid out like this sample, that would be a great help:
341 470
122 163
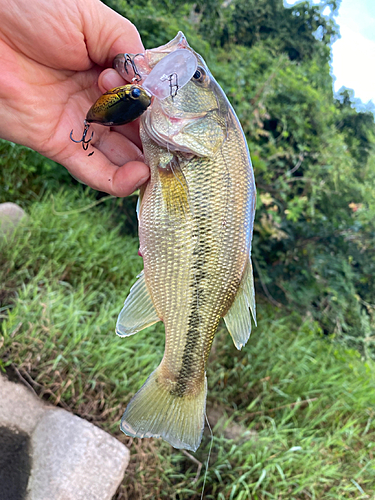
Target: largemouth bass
195 228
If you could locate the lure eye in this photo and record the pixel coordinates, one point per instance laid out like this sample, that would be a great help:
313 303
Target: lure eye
197 75
135 93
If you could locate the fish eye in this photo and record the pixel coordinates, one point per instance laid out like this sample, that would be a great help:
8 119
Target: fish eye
199 75
135 92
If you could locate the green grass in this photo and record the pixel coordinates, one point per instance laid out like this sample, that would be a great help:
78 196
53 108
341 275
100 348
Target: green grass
292 413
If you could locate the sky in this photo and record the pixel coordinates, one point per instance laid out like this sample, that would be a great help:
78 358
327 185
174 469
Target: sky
353 55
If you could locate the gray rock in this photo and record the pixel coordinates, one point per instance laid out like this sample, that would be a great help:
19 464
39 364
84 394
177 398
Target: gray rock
71 458
10 216
19 408
74 460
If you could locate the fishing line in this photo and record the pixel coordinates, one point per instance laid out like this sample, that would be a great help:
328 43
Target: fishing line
209 455
80 210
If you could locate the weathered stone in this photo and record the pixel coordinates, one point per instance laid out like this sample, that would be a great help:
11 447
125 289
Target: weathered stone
74 460
10 216
71 458
19 408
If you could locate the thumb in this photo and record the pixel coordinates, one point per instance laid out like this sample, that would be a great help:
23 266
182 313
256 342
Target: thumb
108 34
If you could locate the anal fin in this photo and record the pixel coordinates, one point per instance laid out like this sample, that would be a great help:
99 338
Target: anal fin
138 311
238 318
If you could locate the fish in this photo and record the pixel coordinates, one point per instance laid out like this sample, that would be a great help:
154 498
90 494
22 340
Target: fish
195 217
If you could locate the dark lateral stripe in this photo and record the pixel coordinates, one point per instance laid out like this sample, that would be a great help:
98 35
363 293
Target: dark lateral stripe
189 357
193 350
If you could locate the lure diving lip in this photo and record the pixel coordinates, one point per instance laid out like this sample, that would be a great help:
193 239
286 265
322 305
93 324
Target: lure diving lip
174 70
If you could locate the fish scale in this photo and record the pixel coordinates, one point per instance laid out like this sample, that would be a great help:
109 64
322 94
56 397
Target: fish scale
195 229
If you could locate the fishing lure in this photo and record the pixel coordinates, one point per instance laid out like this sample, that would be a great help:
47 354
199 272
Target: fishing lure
125 104
118 106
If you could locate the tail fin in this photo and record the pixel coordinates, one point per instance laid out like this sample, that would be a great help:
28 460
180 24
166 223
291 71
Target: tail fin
155 412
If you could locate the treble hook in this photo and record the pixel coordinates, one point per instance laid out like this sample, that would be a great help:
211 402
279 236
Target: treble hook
130 60
85 143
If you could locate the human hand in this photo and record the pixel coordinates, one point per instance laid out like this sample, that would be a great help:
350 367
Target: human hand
52 55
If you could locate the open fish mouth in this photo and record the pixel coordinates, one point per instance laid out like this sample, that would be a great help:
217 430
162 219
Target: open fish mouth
146 61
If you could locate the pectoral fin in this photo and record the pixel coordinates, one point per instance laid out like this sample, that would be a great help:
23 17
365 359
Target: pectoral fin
175 190
142 190
238 318
138 311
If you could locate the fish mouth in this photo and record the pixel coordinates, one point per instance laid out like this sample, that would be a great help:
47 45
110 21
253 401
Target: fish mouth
144 62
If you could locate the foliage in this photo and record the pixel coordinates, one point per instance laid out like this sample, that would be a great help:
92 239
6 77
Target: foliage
356 126
25 174
300 31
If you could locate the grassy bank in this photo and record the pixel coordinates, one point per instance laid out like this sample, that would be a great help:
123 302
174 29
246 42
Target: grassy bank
292 413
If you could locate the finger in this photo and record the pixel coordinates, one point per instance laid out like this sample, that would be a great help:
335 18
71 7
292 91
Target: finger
109 79
108 34
98 172
131 132
118 148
